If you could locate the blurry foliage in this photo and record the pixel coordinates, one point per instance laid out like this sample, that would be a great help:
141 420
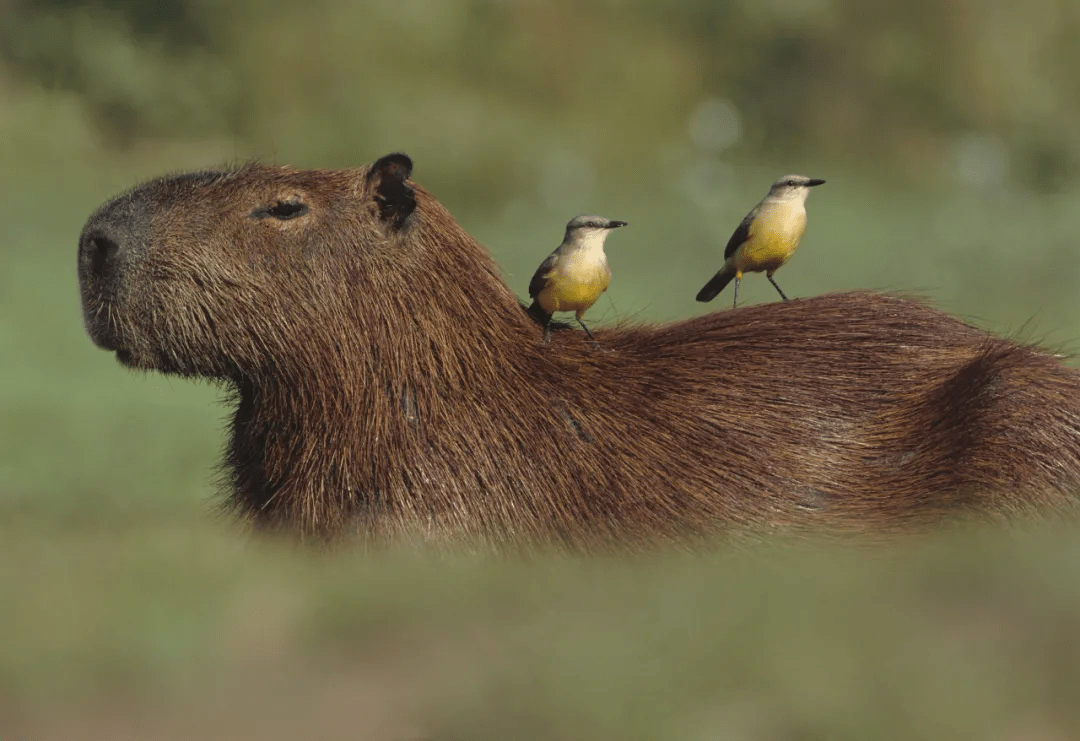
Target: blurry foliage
177 22
140 75
850 80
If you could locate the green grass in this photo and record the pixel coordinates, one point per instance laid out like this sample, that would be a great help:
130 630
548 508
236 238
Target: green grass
153 627
130 609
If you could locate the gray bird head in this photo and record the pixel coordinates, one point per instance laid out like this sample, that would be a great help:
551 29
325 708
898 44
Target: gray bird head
590 227
793 186
592 221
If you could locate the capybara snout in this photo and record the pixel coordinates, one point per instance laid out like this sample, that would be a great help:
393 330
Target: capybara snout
113 240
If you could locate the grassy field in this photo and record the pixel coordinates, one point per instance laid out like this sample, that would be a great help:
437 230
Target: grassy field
184 631
130 609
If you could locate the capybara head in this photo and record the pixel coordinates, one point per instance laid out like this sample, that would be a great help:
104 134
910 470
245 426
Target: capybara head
389 384
230 273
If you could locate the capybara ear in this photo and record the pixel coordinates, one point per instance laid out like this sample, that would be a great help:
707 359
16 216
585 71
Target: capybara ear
395 196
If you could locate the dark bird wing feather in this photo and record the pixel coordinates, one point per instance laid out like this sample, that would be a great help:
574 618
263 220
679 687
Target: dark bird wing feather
742 233
540 277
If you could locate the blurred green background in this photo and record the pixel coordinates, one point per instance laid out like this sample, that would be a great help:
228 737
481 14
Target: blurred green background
949 133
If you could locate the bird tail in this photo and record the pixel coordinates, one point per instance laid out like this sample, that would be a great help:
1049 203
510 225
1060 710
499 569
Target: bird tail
714 286
538 315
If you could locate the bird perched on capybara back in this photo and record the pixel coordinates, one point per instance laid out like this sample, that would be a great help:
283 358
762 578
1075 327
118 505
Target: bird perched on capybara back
389 384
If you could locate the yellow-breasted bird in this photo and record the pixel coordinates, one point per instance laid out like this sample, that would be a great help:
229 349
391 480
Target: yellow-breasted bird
766 238
575 274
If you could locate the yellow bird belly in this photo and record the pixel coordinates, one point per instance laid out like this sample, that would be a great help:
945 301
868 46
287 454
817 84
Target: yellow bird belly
773 240
574 287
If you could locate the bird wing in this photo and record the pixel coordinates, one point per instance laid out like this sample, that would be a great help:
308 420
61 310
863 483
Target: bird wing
742 232
540 277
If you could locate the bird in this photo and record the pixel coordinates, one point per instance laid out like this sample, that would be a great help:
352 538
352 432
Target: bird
766 238
575 274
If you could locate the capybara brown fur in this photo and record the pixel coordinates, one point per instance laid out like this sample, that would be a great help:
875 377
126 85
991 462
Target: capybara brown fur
389 384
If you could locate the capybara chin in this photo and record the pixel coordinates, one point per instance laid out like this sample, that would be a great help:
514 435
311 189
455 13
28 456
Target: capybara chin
390 385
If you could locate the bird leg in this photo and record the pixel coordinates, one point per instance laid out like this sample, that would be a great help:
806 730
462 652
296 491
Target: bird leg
547 330
735 301
583 326
776 287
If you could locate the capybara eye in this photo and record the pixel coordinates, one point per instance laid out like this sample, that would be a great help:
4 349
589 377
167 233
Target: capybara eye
282 210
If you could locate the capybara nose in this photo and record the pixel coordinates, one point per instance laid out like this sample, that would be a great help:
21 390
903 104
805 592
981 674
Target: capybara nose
111 240
98 254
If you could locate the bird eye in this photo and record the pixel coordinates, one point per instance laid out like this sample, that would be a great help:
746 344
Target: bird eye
282 210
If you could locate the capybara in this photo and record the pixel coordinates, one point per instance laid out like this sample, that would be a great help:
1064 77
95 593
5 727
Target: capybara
389 384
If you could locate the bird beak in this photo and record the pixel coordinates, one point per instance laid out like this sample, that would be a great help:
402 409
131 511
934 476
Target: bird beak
814 181
616 224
